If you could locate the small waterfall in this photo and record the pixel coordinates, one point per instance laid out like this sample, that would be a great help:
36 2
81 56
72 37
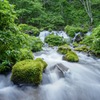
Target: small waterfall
43 34
77 37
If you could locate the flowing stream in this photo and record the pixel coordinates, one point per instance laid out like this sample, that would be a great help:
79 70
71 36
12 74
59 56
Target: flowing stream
80 82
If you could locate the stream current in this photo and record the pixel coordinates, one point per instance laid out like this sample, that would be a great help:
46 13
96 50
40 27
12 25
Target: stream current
80 82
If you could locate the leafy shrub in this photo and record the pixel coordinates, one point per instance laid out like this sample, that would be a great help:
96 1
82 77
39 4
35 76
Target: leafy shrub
11 45
87 40
7 15
36 44
29 29
70 30
4 69
93 41
96 46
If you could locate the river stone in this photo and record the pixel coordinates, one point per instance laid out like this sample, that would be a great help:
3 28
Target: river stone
60 69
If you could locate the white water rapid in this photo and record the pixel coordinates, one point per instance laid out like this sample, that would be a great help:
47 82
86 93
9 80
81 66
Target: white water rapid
81 82
43 34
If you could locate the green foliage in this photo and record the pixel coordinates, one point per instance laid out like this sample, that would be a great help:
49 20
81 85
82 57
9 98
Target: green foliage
96 46
22 54
28 11
54 40
87 40
11 45
70 30
55 14
4 69
64 49
12 56
24 28
96 32
93 41
7 15
71 56
28 71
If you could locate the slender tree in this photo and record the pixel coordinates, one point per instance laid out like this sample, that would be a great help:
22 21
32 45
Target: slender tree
87 6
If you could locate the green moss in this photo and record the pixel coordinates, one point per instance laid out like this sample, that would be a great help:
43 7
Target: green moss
83 48
43 62
71 56
64 49
28 71
70 30
54 40
75 44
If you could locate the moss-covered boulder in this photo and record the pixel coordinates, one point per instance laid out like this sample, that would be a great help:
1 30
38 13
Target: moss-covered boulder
71 30
75 44
54 40
71 56
83 48
28 71
63 49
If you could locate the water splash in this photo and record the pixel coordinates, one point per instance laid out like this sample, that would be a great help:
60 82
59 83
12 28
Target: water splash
43 34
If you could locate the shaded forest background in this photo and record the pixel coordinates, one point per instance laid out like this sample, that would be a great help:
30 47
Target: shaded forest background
56 14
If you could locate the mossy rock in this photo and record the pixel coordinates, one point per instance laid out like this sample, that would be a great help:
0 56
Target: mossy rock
71 56
83 48
28 71
75 44
63 49
54 40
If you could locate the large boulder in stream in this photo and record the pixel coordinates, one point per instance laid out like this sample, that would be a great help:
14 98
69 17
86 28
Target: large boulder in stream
71 56
59 69
28 71
54 40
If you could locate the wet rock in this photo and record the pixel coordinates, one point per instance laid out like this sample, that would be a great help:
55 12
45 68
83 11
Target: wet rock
78 37
60 69
71 57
